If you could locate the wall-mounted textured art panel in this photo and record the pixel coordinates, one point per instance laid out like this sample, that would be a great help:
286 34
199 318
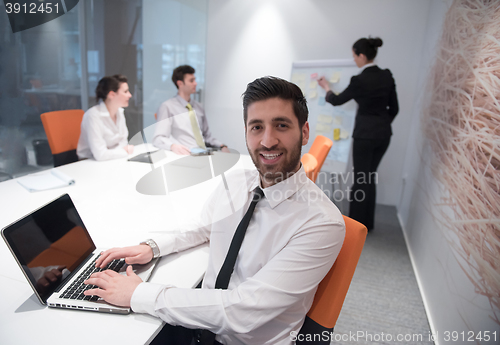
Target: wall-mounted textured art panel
462 125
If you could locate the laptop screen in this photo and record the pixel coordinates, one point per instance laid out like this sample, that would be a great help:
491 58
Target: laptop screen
49 244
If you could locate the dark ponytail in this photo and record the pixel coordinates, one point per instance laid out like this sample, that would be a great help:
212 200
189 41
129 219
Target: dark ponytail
367 47
108 84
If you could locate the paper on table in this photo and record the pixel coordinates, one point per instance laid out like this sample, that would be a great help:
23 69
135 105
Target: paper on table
46 180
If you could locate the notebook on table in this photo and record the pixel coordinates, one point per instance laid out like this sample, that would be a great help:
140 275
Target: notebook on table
56 254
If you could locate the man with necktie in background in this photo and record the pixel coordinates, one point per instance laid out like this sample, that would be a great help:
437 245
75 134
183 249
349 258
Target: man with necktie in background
181 121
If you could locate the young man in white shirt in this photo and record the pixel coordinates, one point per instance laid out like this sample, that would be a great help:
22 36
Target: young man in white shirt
292 240
175 130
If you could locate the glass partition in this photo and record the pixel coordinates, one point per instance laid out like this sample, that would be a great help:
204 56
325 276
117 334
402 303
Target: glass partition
174 34
56 66
40 71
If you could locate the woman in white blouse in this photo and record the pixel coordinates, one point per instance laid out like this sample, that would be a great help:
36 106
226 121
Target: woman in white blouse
104 133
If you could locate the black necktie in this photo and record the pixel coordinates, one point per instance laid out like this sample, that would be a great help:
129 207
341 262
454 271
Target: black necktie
222 282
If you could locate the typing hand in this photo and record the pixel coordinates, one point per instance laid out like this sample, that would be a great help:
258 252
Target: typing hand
140 254
180 149
114 288
50 279
324 84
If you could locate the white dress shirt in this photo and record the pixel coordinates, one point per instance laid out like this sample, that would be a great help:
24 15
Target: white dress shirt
100 137
291 243
174 125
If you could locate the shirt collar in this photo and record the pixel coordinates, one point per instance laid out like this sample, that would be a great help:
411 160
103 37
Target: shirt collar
103 110
283 190
371 64
183 101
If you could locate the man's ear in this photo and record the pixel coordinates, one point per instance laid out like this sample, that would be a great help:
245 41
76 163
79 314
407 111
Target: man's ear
179 85
305 133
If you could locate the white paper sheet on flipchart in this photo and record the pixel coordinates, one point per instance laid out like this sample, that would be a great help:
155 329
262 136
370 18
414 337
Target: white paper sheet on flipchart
46 180
323 117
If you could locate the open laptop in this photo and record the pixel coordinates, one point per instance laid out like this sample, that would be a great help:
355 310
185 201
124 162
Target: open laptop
53 249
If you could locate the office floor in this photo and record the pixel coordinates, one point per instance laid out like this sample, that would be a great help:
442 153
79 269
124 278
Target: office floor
384 301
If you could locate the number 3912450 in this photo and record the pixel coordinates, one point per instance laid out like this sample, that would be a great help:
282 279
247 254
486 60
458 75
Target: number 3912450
33 8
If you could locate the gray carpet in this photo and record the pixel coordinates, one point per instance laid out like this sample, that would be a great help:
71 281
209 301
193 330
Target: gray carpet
383 301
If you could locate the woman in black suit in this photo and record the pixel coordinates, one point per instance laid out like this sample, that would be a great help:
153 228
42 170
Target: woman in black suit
375 92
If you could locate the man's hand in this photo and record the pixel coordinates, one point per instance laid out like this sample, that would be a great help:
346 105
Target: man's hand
324 84
129 148
225 149
140 254
50 279
180 149
115 288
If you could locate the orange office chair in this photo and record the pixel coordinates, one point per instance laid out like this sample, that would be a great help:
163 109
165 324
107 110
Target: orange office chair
63 131
333 288
309 163
319 149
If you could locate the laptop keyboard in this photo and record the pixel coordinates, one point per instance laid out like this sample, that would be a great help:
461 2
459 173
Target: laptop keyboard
76 289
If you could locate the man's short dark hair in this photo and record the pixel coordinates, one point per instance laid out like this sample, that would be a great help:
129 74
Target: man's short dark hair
271 87
180 72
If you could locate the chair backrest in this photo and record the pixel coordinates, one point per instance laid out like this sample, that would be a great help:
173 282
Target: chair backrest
63 131
319 149
309 163
333 288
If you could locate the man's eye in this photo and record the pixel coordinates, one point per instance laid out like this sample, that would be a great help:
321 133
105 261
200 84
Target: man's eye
255 128
282 125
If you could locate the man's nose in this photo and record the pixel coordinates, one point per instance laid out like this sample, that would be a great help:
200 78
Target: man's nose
268 139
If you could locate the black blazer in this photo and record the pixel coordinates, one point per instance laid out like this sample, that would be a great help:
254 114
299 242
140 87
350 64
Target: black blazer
375 92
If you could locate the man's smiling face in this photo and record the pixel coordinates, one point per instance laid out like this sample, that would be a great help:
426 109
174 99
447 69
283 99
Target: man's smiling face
274 139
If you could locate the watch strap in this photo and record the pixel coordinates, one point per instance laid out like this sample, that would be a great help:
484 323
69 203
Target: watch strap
154 247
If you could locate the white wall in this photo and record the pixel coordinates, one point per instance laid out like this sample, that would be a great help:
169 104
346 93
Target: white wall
451 301
250 39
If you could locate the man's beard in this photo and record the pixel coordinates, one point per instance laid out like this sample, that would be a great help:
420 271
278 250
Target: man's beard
281 171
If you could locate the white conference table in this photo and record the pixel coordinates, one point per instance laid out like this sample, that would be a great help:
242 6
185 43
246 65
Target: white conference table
115 214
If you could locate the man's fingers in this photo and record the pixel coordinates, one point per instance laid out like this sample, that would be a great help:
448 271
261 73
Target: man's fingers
136 259
107 256
100 282
94 292
130 271
43 282
111 273
51 276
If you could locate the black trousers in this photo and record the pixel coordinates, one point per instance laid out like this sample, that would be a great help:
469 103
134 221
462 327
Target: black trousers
176 335
366 156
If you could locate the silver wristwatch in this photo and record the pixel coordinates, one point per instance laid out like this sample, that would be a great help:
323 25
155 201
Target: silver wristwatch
154 247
